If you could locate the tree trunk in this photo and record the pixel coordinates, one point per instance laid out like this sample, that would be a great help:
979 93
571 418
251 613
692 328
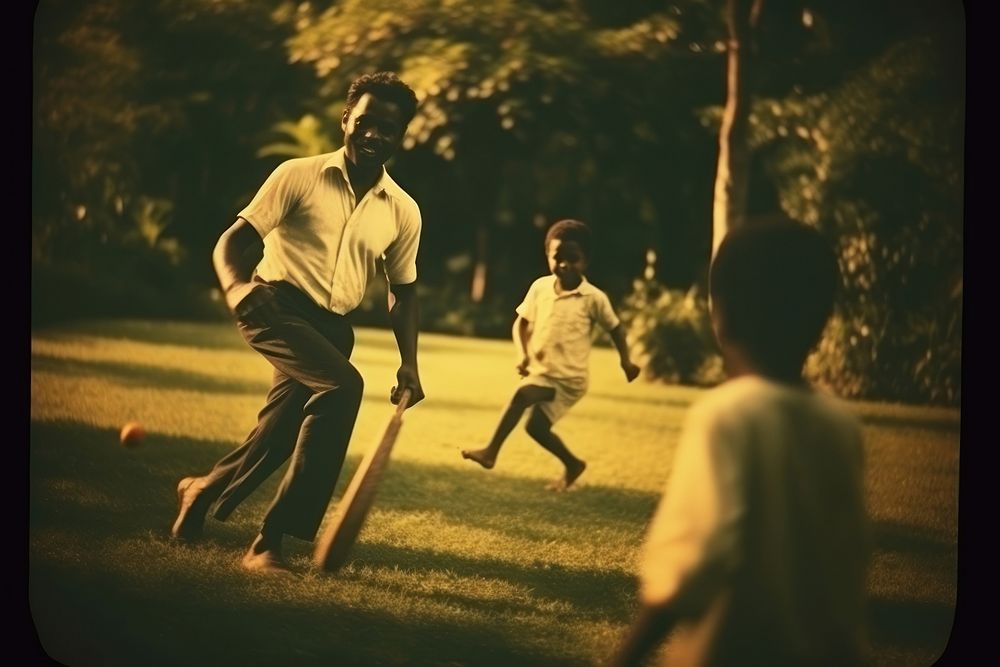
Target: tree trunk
478 288
731 177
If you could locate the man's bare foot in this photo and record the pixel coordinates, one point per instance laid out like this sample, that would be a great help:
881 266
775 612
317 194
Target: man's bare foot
572 473
264 556
483 457
265 562
192 505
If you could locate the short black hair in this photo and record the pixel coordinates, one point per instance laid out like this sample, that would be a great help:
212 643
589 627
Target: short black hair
385 86
774 282
570 230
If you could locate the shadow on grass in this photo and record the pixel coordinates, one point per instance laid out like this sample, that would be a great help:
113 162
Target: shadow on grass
85 486
93 619
910 623
914 623
896 536
222 334
144 375
80 474
938 424
491 499
600 595
136 375
91 609
213 335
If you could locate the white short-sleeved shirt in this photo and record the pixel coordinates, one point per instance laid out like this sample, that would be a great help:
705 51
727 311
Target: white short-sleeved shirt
562 327
317 237
760 541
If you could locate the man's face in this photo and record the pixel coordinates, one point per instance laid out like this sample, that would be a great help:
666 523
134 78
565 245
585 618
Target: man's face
567 262
373 131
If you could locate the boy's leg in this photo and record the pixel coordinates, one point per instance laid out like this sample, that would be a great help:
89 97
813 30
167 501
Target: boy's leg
525 397
539 427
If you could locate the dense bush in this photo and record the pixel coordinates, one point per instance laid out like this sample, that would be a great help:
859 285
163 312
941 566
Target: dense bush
446 309
129 288
670 334
877 164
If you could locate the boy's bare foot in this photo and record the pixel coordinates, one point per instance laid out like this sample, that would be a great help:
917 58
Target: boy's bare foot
572 473
483 457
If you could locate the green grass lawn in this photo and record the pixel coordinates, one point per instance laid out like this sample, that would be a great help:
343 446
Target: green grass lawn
455 565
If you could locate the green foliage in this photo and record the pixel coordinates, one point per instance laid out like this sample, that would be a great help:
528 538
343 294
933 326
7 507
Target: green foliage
670 333
304 138
450 309
146 122
87 112
459 56
878 164
514 129
154 123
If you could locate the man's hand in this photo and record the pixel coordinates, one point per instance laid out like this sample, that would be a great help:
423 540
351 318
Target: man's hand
631 370
522 366
234 258
236 293
407 377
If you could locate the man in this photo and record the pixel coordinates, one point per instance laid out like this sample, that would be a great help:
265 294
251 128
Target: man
297 260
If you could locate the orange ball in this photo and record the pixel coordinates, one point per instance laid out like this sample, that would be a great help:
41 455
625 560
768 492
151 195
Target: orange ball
132 434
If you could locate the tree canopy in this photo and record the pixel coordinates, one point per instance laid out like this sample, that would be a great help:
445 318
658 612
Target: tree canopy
154 123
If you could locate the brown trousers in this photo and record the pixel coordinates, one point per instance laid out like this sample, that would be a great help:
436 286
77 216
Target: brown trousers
308 415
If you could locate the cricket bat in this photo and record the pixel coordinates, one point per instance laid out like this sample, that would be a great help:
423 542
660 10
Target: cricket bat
341 533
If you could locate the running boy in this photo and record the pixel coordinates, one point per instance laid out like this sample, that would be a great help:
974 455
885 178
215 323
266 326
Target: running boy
757 553
553 335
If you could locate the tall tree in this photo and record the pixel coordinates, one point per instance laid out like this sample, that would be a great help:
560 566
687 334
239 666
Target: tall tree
732 174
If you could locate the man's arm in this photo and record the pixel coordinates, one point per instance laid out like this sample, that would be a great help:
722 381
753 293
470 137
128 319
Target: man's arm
651 624
618 338
236 255
522 334
405 317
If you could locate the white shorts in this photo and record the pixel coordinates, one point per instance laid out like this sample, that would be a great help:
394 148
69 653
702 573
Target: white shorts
568 392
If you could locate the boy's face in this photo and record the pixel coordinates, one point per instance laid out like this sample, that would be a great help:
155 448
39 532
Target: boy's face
567 262
373 131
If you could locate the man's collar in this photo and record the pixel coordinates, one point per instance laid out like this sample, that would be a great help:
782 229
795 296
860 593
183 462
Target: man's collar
338 160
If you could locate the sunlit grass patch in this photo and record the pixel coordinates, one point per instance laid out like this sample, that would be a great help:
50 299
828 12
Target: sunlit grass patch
456 565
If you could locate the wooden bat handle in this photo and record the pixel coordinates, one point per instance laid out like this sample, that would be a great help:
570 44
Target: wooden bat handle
404 401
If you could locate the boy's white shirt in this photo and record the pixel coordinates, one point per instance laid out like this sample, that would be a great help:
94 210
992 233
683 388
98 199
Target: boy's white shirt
793 443
562 327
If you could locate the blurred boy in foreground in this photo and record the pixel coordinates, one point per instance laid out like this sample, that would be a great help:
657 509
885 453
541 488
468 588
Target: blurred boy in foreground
758 550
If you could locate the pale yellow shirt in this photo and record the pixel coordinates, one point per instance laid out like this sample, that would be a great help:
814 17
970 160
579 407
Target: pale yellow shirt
760 541
320 239
562 327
